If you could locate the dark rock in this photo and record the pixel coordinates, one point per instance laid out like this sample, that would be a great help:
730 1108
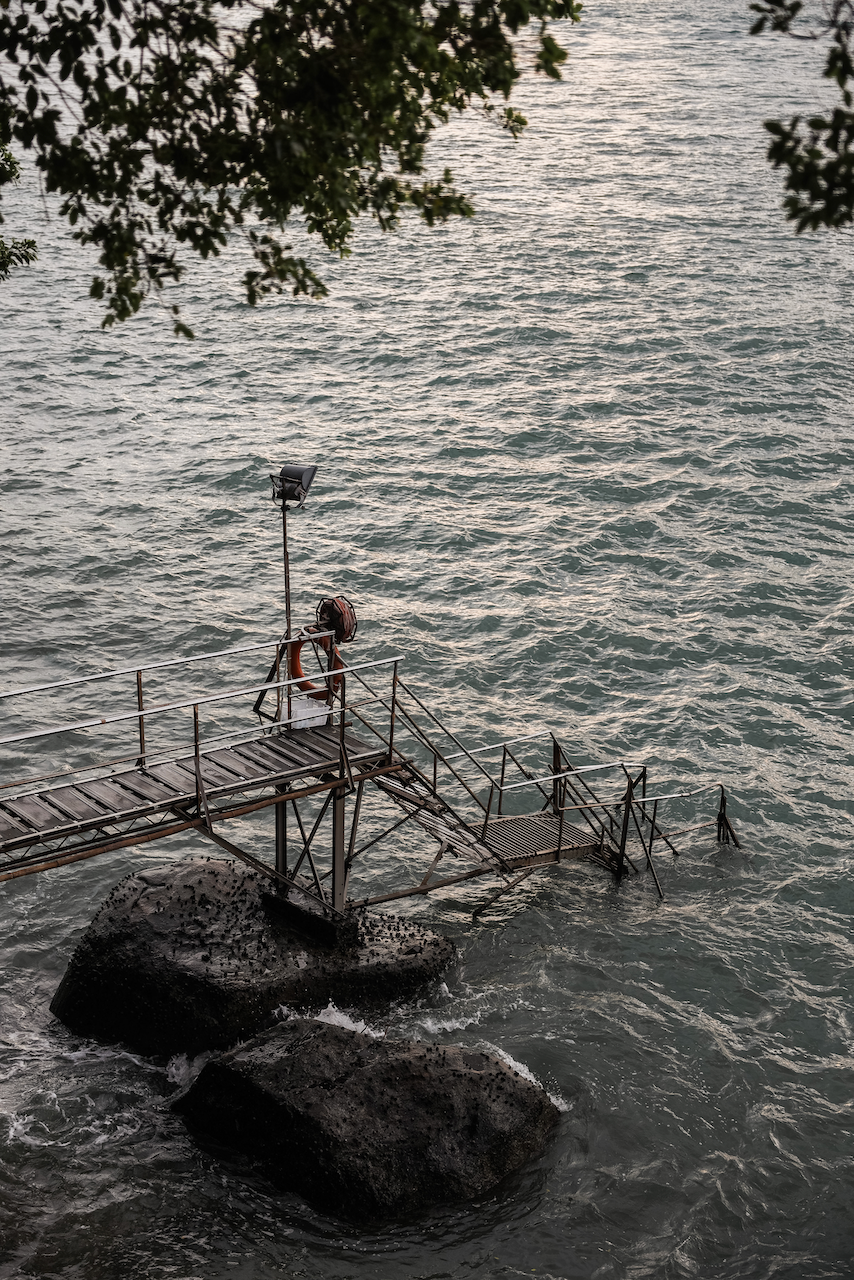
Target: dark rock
186 957
370 1128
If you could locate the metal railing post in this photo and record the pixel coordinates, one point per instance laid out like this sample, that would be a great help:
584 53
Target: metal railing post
288 690
196 753
330 683
141 761
393 714
486 815
624 834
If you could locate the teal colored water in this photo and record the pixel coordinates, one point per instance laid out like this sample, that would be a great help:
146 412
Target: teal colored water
586 461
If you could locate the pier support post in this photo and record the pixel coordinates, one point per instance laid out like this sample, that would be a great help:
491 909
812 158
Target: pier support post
281 812
624 833
339 867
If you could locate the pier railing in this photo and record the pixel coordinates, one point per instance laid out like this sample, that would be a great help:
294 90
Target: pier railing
288 707
532 773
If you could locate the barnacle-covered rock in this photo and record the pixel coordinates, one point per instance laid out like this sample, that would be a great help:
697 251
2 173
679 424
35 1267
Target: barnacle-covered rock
196 954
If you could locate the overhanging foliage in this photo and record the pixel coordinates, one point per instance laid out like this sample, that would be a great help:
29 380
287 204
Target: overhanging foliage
817 153
166 124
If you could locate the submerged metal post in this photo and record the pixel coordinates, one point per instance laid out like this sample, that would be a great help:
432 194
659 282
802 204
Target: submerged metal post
725 831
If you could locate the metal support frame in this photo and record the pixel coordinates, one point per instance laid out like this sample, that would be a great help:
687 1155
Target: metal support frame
281 820
339 866
725 831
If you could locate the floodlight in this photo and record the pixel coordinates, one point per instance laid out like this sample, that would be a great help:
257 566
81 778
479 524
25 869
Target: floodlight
293 483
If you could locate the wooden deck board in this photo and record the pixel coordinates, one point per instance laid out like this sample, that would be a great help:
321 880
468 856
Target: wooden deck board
35 813
9 827
79 807
83 809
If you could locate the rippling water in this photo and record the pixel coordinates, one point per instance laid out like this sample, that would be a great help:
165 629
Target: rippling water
588 461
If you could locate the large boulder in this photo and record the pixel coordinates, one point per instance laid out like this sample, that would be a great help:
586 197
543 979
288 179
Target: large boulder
197 954
369 1128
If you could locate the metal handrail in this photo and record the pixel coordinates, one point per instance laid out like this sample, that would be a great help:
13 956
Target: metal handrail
639 801
168 755
154 666
569 773
497 746
190 702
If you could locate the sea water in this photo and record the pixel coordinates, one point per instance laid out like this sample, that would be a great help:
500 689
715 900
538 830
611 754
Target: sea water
586 461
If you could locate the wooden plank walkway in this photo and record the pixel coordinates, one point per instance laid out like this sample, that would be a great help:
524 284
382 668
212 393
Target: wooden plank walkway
103 812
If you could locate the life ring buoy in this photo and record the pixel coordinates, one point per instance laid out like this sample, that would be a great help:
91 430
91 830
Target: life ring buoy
320 692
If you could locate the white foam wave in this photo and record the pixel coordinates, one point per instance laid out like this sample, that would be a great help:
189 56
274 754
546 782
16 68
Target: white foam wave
337 1018
434 1026
182 1070
525 1072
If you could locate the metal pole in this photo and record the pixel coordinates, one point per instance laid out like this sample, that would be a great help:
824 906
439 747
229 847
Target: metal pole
339 865
486 815
330 683
501 783
355 824
281 812
287 568
393 717
141 761
624 834
556 768
196 754
648 851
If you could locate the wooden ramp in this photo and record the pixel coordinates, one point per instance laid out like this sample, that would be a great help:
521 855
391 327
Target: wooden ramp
65 823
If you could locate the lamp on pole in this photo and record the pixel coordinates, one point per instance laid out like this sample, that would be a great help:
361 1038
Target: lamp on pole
290 485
